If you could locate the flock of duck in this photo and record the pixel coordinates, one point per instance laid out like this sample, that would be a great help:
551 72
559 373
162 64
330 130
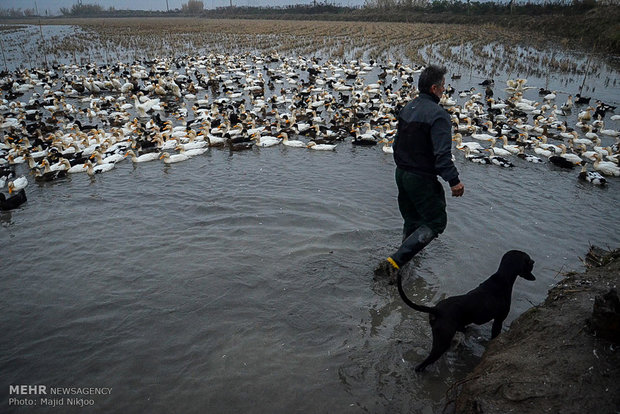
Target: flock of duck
570 148
69 119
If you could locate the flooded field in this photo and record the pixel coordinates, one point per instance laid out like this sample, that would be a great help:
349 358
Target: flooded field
241 281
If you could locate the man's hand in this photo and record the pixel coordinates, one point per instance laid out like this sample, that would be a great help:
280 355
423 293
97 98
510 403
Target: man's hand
458 190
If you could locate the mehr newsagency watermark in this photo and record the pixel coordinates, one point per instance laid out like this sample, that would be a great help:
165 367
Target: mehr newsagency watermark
46 396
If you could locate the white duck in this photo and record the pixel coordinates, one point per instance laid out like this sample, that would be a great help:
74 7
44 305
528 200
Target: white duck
538 149
59 166
99 168
501 152
582 150
527 157
164 142
490 128
572 157
215 140
266 141
78 168
585 116
482 137
615 158
609 132
192 145
149 156
580 141
387 146
291 143
474 147
590 134
17 184
321 147
569 135
606 167
514 149
110 159
169 159
550 147
466 128
192 152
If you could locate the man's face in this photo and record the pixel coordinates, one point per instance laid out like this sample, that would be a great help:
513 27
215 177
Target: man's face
438 88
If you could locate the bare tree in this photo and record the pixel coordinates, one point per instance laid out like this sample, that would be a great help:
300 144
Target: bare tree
193 7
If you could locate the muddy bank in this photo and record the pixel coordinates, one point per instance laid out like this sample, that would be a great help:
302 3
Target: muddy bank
551 360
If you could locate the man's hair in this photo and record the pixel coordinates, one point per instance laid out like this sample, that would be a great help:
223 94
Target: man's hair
431 75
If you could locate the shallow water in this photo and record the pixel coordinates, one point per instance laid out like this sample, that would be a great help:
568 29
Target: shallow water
243 282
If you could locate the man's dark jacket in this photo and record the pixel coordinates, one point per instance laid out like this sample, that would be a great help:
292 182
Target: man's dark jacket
424 141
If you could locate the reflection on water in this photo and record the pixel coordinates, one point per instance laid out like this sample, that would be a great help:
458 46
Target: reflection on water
243 282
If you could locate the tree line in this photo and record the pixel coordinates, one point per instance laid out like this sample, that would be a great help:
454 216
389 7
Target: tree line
370 8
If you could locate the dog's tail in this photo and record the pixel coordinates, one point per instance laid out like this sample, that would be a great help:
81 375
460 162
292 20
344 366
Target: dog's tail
421 308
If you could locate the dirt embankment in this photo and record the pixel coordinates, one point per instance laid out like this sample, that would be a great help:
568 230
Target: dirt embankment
552 360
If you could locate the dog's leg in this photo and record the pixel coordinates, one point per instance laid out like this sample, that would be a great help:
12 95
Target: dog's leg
442 336
497 327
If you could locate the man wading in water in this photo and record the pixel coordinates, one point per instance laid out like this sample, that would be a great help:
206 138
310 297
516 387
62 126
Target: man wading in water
422 151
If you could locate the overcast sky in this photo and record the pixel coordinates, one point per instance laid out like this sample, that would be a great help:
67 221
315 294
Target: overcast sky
53 6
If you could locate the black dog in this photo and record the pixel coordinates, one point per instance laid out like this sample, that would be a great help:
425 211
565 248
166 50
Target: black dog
490 300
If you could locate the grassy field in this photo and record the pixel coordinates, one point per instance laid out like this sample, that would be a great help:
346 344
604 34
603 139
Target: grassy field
487 48
582 24
585 23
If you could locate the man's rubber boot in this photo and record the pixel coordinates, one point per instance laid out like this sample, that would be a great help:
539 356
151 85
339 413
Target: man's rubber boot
412 245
